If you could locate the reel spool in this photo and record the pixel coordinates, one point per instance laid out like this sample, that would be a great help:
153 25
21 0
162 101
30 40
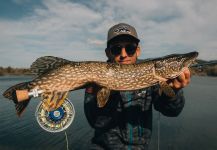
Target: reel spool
57 120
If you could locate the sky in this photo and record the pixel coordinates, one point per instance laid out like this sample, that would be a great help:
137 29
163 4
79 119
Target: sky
77 29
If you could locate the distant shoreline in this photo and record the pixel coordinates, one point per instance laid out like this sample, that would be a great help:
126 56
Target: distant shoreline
4 71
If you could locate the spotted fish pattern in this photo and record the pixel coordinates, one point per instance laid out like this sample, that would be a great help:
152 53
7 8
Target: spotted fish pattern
57 76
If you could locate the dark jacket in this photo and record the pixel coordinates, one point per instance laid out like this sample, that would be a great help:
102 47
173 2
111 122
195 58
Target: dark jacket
126 120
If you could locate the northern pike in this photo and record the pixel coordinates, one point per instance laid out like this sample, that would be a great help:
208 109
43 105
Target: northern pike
57 76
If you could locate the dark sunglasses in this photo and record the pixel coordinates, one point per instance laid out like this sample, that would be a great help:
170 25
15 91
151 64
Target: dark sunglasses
129 48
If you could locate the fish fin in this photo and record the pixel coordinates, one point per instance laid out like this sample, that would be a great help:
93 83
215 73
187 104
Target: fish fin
61 99
47 63
46 99
10 93
21 106
102 97
168 91
54 100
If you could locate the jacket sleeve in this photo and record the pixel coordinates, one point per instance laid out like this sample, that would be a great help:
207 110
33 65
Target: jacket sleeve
90 108
168 106
100 118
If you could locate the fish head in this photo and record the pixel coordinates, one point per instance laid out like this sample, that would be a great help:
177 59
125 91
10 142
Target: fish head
172 65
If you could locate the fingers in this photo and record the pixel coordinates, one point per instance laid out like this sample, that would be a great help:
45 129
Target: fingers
177 84
89 90
92 89
182 80
187 74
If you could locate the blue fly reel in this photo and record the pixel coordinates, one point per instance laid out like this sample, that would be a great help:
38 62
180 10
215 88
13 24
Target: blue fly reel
57 120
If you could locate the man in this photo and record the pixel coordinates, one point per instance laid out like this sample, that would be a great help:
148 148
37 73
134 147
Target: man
126 120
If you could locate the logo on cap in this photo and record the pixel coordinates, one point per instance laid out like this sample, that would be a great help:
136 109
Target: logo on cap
122 29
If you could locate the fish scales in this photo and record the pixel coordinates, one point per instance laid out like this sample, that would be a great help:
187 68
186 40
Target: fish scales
101 73
113 76
58 76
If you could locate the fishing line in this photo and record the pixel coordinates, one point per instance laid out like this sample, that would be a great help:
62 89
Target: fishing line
57 120
158 131
67 142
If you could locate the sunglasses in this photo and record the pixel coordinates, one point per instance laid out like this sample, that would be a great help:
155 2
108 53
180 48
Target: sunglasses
129 48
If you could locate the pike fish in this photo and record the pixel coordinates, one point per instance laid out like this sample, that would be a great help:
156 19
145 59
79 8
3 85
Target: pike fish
56 77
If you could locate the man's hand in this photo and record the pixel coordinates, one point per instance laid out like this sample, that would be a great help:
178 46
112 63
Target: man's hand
181 81
92 89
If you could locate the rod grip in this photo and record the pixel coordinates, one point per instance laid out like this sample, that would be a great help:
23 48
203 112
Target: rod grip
22 95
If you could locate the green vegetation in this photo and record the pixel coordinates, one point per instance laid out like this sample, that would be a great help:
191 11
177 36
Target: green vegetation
14 71
205 68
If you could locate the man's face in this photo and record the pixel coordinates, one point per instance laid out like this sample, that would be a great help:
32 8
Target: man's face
124 52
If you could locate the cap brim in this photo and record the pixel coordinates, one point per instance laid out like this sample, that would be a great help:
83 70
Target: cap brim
123 35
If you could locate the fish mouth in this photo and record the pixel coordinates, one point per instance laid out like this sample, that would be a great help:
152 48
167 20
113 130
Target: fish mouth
190 58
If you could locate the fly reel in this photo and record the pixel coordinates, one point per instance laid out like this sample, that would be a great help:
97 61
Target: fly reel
57 120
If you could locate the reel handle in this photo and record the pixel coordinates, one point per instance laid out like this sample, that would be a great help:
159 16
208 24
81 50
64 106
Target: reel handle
23 95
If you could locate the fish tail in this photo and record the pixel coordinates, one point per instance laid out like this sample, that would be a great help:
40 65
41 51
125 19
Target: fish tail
10 93
21 106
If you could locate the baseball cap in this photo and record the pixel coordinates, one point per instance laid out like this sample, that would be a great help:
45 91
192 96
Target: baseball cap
122 29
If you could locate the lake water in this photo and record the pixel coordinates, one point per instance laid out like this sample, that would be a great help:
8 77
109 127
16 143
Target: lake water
194 129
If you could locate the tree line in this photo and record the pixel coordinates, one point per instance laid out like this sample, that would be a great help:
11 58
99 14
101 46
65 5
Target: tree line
14 71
